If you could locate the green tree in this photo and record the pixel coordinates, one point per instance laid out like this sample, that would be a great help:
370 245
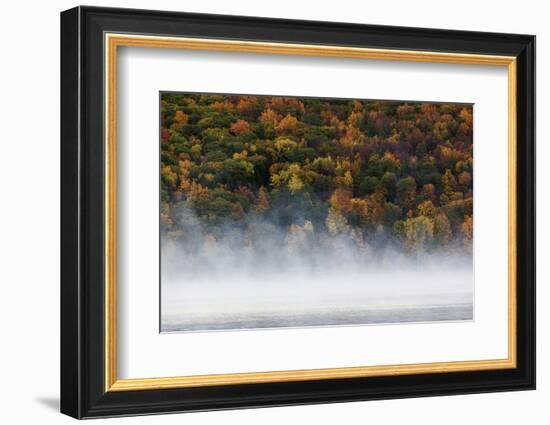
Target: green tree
370 184
406 192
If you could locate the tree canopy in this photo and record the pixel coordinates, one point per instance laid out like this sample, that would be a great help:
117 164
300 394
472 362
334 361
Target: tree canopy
373 170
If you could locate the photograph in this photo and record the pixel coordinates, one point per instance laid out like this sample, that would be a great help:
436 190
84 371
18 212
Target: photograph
292 212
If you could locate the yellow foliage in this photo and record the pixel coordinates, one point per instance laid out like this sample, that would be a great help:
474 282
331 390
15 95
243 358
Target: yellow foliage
240 155
336 223
185 167
467 229
427 209
415 231
442 229
344 181
295 184
196 190
285 144
467 116
169 175
355 118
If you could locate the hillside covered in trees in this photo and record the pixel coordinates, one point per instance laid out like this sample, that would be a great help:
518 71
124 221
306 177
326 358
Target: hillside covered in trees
307 170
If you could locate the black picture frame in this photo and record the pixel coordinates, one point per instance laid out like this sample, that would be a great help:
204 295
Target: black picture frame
83 392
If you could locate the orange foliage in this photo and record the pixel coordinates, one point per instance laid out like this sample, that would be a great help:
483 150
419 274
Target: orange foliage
240 127
340 200
287 125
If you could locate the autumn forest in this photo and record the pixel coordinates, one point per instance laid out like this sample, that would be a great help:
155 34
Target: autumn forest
374 173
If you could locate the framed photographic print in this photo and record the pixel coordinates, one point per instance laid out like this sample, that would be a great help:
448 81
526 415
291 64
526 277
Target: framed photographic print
261 212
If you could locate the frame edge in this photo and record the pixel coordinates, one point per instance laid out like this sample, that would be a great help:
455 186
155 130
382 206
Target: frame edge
526 217
71 350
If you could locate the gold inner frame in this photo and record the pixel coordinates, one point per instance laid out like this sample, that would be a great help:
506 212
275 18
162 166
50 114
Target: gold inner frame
113 41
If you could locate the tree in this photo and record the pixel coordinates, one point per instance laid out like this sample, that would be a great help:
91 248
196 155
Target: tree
288 125
448 181
467 229
406 192
240 127
248 106
442 229
428 192
427 209
336 223
389 181
214 208
352 138
340 200
169 176
298 237
415 232
295 185
390 214
269 118
235 173
370 184
262 203
180 120
465 179
367 211
284 144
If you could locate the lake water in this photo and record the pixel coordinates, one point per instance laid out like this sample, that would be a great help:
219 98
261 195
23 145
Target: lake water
187 323
239 302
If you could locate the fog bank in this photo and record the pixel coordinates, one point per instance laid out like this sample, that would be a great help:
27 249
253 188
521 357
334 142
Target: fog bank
265 276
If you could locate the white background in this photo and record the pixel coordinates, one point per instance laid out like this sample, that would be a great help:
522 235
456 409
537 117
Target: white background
29 222
140 344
